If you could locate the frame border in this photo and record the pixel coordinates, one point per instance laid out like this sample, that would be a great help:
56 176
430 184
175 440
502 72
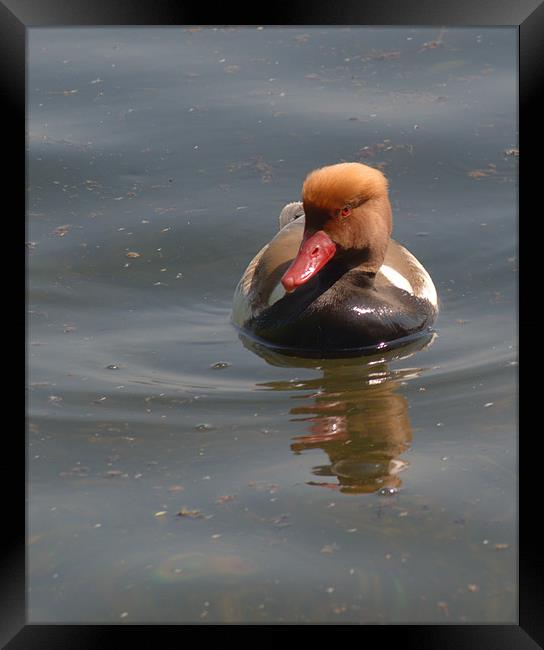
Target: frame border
16 16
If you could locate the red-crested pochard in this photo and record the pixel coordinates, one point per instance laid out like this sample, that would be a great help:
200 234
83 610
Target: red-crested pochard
332 282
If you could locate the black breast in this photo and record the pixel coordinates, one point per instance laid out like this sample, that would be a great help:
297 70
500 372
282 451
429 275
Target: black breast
332 313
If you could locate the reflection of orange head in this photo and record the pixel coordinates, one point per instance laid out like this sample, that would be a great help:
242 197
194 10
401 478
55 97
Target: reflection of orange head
354 414
363 431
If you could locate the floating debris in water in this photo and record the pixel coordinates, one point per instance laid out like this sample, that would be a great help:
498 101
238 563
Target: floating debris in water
161 513
473 588
191 514
329 549
204 427
369 151
62 230
514 151
78 470
112 366
488 405
431 45
219 365
225 498
132 254
282 521
381 55
444 607
271 487
255 164
482 173
62 92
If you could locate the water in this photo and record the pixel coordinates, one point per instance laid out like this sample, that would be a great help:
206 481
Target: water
380 490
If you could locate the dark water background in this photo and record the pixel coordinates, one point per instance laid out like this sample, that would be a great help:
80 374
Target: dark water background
379 490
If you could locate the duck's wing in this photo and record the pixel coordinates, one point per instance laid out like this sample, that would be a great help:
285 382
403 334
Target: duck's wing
260 285
403 270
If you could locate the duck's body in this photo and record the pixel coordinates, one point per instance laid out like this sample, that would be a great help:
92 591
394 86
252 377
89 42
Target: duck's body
313 290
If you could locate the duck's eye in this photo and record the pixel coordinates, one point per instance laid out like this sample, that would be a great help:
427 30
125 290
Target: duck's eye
345 211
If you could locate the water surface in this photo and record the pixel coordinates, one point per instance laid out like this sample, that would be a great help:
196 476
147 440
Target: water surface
175 475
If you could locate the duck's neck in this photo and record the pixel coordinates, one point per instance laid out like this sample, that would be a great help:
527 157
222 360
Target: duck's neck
351 257
343 262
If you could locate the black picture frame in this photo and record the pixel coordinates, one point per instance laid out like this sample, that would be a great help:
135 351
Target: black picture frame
16 17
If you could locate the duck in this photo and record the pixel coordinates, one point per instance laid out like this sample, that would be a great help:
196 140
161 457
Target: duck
332 282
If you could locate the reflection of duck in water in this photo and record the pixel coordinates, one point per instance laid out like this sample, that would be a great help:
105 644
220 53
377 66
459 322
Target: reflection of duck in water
357 417
332 283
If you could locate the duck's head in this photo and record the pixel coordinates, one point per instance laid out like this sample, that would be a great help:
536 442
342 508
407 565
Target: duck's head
348 217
